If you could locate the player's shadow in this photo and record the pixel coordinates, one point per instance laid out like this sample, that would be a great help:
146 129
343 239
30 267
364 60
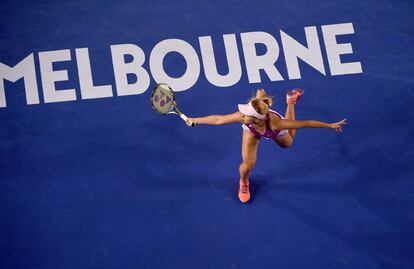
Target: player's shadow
389 247
258 186
376 169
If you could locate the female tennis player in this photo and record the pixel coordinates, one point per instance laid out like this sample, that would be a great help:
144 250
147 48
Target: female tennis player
260 121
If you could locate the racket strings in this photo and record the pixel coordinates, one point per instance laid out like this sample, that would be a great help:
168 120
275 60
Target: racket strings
163 100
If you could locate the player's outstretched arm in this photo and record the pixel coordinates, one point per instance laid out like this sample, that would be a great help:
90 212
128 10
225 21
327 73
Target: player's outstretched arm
217 119
296 124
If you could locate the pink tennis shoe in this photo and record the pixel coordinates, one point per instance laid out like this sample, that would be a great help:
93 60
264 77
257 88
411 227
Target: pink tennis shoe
244 192
292 96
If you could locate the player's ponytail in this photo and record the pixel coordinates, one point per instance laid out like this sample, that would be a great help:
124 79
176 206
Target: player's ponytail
262 102
262 96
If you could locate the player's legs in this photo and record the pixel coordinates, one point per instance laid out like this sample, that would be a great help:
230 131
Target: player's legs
287 140
249 155
291 99
290 115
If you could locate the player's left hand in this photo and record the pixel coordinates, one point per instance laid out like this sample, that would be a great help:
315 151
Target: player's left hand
338 125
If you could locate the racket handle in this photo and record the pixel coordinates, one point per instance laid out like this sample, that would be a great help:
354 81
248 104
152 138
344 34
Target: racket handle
185 118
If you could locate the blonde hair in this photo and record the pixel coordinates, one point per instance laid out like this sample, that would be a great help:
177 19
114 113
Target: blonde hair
261 102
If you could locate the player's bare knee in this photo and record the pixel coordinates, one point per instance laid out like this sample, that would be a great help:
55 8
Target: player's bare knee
248 165
286 145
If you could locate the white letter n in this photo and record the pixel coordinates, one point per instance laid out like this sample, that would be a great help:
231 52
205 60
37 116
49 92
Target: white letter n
311 55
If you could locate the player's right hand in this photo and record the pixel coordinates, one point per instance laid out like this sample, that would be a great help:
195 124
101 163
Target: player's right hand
191 122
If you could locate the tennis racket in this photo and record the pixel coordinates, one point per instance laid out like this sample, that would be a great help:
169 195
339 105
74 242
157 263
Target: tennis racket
163 101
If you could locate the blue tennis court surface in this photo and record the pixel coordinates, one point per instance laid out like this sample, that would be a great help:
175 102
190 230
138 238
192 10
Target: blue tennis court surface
106 182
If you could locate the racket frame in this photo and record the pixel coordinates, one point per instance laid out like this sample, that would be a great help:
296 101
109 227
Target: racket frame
177 112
